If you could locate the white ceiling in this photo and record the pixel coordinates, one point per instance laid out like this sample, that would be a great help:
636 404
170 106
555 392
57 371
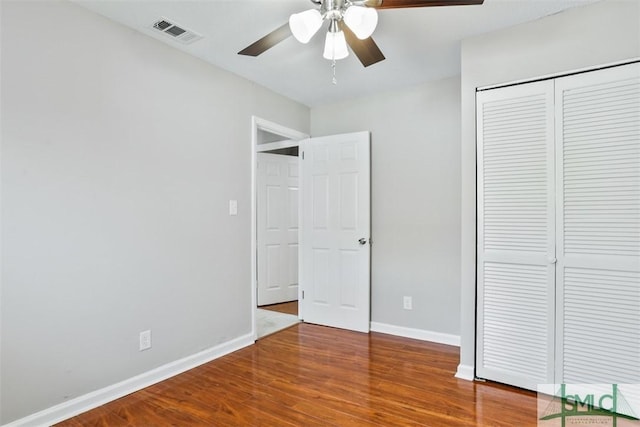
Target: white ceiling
420 44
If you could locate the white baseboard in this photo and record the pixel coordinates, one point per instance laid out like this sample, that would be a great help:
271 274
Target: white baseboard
97 398
418 334
465 372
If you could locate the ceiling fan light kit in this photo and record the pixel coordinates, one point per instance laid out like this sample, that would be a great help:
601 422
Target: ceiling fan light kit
351 22
360 19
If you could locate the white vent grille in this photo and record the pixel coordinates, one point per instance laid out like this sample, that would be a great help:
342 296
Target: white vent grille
175 31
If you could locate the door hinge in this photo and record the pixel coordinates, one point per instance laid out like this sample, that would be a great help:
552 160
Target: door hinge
302 294
303 155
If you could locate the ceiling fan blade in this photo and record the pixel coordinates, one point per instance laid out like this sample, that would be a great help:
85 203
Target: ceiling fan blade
366 50
267 42
396 4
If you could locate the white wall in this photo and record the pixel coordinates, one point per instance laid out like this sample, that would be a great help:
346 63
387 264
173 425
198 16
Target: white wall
415 199
119 156
596 34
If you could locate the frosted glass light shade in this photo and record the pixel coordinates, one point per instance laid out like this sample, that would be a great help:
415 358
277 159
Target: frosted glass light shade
362 20
305 24
335 46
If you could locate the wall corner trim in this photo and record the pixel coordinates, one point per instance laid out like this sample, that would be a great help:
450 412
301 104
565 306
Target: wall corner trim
465 372
107 394
418 334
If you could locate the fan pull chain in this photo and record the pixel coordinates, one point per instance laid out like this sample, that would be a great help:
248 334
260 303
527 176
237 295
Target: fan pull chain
333 67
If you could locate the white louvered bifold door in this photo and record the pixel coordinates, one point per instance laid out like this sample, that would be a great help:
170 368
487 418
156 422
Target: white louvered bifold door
516 234
598 212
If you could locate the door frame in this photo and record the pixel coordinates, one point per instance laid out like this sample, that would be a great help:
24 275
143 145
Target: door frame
291 138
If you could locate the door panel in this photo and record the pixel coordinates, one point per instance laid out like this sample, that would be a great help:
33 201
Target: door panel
335 268
516 235
277 228
598 198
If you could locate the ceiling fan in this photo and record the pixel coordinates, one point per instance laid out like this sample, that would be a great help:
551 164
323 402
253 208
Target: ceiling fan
351 22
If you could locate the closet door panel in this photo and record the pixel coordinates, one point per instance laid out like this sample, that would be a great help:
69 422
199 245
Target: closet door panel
515 234
598 199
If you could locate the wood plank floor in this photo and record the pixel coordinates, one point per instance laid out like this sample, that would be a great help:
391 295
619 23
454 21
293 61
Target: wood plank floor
310 375
285 307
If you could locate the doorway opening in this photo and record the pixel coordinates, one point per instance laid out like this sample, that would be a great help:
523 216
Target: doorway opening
274 226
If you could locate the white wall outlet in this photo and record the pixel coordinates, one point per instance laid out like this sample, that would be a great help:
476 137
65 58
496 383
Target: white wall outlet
233 207
145 340
407 303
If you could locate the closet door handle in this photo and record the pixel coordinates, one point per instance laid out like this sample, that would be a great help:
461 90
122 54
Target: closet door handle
553 260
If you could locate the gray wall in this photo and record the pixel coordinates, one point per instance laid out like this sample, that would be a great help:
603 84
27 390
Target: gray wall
415 199
119 156
596 34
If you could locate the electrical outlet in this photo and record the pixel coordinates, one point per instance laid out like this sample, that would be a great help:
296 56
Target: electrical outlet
145 340
407 303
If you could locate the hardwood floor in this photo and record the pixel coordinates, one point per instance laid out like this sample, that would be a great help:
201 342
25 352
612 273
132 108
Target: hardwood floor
285 307
311 375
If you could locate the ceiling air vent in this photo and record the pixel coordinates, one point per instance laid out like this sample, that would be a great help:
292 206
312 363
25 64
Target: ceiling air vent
175 31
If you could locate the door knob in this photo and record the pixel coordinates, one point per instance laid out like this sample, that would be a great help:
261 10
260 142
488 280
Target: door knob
362 241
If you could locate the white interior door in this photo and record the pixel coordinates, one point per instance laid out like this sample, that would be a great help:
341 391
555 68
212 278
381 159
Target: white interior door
516 252
277 228
598 199
335 224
